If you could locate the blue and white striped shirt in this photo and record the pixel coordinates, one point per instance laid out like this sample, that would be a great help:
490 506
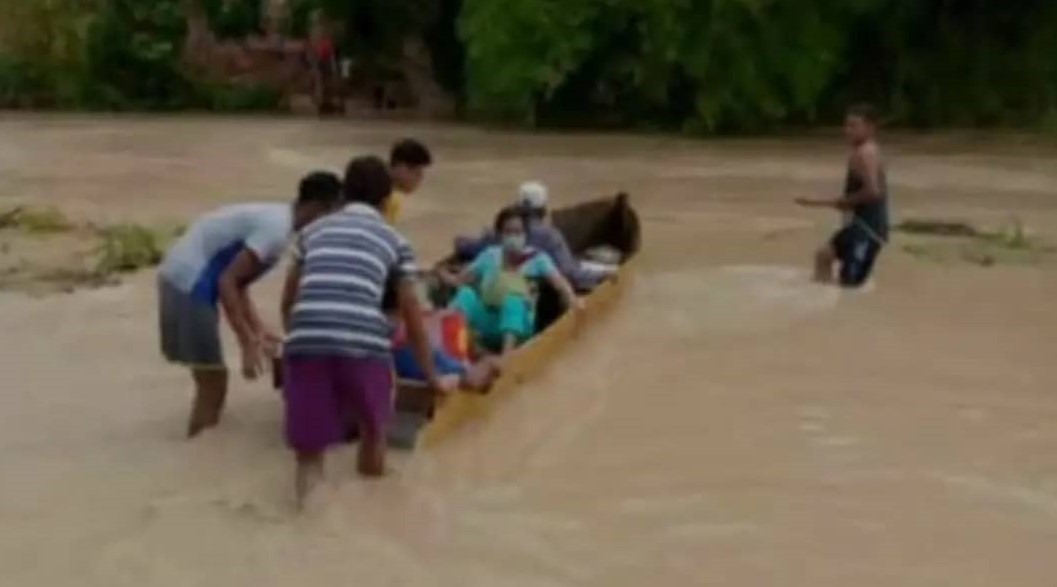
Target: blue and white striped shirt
346 260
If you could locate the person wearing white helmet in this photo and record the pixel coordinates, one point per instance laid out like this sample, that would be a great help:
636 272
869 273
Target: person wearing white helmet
533 199
532 195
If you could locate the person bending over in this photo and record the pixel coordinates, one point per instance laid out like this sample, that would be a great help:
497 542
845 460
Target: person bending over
215 262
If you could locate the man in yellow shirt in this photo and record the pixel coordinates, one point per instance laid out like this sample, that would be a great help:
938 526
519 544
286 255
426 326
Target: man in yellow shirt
408 161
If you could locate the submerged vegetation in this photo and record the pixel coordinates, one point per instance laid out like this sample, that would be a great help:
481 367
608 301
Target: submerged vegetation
35 220
42 248
950 241
702 66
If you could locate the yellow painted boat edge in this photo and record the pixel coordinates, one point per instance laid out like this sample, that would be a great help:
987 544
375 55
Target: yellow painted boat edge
527 361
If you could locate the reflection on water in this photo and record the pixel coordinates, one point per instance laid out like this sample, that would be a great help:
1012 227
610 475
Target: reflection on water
732 424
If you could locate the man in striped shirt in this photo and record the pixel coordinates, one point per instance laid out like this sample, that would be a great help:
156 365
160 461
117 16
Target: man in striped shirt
338 348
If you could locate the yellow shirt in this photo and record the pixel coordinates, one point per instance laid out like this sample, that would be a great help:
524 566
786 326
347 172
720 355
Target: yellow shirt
394 206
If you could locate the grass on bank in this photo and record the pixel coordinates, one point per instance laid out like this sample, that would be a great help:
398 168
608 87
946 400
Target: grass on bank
35 220
113 250
953 241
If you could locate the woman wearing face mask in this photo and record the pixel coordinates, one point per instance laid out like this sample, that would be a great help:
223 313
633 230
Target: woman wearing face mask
495 294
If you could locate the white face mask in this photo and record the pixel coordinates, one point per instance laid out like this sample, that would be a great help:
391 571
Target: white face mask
514 243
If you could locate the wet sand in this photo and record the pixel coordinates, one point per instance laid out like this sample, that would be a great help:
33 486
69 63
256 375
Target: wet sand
731 425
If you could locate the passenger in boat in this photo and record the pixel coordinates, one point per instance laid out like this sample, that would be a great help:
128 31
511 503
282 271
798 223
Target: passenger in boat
408 160
449 337
541 235
495 293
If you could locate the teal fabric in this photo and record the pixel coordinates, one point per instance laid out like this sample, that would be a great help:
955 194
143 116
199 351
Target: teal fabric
491 325
489 264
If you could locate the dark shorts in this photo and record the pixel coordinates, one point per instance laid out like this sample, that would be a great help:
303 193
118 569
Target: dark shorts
856 250
190 329
324 393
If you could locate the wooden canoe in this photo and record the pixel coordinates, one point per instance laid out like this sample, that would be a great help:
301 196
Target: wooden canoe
606 221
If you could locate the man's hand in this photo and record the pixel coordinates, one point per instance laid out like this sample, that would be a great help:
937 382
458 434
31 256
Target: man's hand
252 362
442 386
238 308
448 277
271 343
816 202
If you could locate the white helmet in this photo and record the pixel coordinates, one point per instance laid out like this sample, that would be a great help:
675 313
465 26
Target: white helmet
532 195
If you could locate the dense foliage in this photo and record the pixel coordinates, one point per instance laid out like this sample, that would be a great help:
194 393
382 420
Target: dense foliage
108 55
703 66
736 65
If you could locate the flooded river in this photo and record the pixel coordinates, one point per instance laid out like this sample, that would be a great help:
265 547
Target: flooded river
730 425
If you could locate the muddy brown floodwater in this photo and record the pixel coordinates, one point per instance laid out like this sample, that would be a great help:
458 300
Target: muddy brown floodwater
730 425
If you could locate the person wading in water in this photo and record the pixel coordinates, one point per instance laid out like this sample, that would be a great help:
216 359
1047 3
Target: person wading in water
864 205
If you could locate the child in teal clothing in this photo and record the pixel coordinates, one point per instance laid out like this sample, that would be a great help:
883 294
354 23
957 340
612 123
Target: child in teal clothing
496 292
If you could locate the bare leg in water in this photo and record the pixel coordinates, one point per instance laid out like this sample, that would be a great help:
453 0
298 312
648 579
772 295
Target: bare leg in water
308 476
211 390
824 259
370 460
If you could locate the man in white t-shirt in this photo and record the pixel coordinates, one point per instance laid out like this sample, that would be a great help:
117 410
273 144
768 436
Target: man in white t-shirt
215 262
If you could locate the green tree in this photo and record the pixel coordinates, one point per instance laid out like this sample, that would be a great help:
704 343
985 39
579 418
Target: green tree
736 65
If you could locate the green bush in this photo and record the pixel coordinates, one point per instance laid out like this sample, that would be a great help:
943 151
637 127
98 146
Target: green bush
120 55
703 66
35 220
21 84
127 247
230 97
233 19
746 65
133 50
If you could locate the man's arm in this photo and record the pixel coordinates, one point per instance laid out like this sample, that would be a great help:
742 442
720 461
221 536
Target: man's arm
458 278
233 296
293 281
405 270
411 314
567 263
466 275
565 289
237 307
290 289
559 251
253 318
468 247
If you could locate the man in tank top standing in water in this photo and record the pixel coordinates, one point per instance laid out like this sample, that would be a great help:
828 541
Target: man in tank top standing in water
864 205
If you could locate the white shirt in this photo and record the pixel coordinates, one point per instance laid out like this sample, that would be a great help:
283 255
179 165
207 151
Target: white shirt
195 263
